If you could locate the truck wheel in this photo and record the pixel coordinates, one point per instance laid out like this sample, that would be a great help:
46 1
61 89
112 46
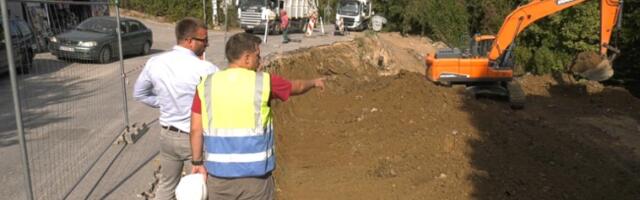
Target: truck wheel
364 25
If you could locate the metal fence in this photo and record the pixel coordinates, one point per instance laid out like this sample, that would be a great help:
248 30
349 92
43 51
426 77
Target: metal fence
60 113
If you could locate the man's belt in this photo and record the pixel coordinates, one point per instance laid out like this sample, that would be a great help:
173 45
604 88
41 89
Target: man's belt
174 129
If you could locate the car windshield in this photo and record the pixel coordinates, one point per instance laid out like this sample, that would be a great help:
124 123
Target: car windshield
348 8
98 25
245 4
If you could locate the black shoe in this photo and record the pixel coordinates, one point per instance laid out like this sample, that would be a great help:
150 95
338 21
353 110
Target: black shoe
286 41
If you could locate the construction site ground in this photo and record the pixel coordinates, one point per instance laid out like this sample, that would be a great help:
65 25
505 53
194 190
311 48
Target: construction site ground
380 130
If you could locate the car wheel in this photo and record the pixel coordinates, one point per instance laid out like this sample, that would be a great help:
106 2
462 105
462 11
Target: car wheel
145 48
105 55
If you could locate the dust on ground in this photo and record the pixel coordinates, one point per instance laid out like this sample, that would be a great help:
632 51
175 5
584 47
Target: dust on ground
382 131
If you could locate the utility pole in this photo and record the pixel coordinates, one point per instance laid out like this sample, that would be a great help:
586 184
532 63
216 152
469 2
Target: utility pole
204 11
214 12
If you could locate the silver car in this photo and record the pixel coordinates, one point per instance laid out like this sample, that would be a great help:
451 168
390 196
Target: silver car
96 39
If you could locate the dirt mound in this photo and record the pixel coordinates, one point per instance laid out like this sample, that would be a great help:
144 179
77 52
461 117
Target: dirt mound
379 135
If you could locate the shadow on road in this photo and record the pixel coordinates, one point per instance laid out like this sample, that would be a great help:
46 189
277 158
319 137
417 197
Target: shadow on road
130 175
41 91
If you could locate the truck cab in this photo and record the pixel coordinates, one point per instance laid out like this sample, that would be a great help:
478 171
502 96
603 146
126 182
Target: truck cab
251 14
254 14
355 14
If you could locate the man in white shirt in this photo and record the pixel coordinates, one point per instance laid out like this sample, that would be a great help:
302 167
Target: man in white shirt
168 82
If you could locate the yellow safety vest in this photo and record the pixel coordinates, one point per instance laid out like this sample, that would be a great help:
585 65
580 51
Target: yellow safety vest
237 123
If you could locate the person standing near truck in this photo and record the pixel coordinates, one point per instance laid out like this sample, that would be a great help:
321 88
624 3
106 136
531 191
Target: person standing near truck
284 25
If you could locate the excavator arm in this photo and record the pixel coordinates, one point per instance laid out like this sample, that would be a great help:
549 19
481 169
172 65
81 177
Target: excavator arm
523 16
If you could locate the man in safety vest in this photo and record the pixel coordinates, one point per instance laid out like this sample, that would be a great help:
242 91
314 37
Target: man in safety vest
231 118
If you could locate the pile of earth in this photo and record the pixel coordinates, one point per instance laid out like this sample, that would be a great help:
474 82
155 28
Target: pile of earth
382 131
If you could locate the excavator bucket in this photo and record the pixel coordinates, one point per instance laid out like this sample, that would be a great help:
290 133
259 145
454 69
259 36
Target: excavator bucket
592 66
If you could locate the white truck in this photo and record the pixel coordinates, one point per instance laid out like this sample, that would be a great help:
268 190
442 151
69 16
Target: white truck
355 14
253 14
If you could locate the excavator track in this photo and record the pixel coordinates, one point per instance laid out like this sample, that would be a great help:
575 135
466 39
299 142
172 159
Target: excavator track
517 97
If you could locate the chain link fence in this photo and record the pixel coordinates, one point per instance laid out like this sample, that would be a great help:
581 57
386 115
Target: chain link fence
64 101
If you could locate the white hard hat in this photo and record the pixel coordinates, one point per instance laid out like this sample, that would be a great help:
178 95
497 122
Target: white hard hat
192 187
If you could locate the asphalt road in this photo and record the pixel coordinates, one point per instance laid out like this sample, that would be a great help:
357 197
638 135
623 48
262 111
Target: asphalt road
73 111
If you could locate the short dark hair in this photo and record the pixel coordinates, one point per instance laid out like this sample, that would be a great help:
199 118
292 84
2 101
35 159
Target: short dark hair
239 44
187 28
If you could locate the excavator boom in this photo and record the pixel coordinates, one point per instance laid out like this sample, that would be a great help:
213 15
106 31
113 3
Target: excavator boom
524 16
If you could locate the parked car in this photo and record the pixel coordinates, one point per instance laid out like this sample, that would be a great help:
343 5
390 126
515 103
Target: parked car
24 46
96 39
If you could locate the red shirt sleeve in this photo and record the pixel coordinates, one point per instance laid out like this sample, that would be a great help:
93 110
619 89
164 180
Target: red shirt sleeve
195 108
280 88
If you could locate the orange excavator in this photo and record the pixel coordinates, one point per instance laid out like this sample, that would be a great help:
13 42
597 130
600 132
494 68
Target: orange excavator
487 67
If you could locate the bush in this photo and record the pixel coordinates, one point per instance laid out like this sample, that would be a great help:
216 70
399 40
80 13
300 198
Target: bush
175 10
445 20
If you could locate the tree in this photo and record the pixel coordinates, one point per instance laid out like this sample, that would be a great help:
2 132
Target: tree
628 65
554 41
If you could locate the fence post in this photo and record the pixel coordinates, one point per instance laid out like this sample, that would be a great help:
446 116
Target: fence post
124 75
322 25
266 29
16 98
226 24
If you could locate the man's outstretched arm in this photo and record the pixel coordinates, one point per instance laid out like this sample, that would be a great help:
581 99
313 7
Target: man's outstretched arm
299 87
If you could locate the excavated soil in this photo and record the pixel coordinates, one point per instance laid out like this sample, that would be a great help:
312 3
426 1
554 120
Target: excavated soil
382 131
584 61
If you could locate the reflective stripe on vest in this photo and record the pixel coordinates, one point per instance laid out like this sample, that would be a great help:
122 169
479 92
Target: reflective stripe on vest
236 118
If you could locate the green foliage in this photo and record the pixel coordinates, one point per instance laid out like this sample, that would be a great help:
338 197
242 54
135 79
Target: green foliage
487 15
628 65
525 54
441 19
555 40
175 10
545 60
579 28
331 16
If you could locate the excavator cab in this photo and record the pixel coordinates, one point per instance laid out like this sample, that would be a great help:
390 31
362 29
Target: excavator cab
481 45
